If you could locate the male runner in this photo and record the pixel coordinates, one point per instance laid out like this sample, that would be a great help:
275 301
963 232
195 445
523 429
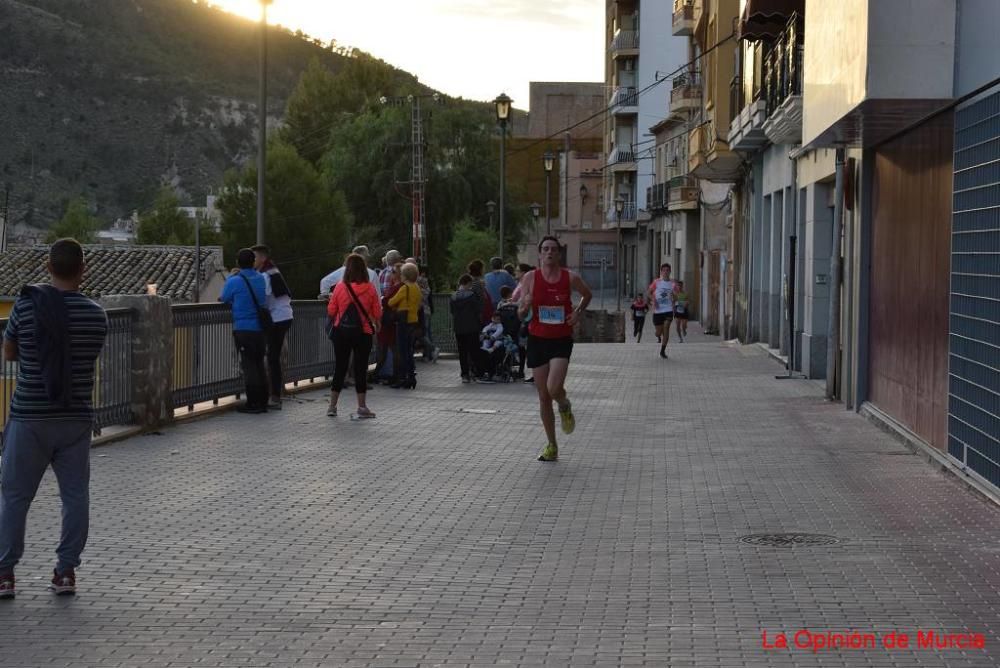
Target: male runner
547 292
661 294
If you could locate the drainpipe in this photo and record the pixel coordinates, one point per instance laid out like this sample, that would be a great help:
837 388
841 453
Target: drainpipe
833 336
790 291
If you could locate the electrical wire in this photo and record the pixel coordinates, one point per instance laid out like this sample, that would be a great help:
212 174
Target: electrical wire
638 93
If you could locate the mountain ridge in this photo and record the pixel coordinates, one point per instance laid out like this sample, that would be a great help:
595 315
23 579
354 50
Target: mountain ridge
110 99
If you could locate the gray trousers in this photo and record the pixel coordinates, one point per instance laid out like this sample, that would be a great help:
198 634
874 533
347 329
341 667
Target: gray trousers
29 448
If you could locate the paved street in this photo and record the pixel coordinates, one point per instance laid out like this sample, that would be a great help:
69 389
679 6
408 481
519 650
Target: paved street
432 536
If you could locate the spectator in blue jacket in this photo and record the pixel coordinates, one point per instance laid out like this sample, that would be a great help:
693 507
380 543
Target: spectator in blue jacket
248 330
497 278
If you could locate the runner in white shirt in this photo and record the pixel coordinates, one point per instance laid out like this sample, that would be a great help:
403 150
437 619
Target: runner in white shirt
661 295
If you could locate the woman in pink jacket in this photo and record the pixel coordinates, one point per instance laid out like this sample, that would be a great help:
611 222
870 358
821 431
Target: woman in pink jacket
355 313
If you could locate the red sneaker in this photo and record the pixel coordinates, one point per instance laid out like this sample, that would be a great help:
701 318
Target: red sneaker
7 586
65 584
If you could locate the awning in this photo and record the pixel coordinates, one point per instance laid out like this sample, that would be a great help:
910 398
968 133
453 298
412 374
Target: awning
765 19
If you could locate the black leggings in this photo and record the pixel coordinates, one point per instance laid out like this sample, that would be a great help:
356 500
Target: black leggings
345 343
637 330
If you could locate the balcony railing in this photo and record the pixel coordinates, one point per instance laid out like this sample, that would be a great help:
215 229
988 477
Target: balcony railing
783 66
624 96
620 156
628 214
683 18
682 190
685 92
625 39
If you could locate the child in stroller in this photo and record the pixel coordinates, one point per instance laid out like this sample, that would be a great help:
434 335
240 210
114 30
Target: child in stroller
507 360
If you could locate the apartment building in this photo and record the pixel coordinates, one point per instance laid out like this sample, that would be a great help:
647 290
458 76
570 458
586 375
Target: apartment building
641 59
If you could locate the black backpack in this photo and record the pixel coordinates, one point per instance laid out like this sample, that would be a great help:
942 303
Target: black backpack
351 319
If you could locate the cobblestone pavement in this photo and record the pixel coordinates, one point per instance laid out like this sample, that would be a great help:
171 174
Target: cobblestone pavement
432 536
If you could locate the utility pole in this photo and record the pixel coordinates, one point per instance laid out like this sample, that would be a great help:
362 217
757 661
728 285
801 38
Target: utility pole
262 121
417 181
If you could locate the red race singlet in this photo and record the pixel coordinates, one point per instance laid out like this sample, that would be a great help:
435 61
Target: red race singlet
551 306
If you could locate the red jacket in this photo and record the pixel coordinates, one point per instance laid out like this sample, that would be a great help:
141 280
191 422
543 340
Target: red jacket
341 298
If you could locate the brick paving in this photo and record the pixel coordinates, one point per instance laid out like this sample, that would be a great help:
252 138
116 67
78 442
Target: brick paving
431 537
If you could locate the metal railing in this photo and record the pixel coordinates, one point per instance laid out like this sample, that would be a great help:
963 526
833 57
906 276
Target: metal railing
783 66
206 364
624 96
625 39
685 87
112 398
309 353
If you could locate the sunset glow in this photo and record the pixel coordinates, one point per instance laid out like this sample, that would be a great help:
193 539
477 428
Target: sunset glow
469 48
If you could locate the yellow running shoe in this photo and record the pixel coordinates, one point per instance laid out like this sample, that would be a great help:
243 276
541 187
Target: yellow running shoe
549 454
566 419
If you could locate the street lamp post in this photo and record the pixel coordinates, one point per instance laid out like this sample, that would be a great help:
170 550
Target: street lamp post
583 201
548 160
262 121
536 209
491 207
619 207
502 105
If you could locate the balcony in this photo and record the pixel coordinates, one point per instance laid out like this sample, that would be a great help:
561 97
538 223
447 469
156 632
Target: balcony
709 156
656 198
625 44
683 193
628 217
624 100
686 93
783 86
746 132
684 19
621 159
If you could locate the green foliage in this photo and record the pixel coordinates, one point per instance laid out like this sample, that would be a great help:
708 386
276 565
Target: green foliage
311 112
369 156
467 244
76 223
165 224
306 221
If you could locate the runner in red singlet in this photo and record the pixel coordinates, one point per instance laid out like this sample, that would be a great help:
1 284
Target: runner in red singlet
547 292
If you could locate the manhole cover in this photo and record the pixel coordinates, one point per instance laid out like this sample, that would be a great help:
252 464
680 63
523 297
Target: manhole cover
479 411
788 539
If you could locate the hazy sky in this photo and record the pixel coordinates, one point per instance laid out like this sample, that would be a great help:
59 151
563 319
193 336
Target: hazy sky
469 48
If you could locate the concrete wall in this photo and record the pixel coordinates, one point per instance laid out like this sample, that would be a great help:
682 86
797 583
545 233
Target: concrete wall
557 105
911 49
834 64
874 49
977 59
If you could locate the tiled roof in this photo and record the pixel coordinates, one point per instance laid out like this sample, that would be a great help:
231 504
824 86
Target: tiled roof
117 270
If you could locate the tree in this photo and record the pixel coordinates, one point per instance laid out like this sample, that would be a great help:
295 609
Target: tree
311 112
76 223
467 244
306 222
165 224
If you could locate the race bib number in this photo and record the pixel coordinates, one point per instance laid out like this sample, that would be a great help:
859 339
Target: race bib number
551 315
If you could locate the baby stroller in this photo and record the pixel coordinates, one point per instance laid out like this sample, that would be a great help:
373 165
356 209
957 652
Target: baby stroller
508 361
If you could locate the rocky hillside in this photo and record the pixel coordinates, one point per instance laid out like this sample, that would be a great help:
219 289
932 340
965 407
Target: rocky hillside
112 98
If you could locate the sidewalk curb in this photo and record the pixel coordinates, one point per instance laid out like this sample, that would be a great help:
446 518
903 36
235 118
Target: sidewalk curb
933 456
